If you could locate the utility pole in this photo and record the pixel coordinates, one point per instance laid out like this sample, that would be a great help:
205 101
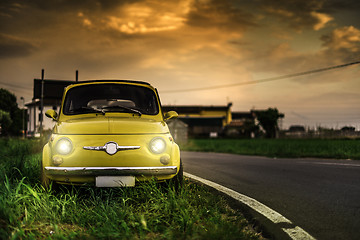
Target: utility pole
41 103
23 116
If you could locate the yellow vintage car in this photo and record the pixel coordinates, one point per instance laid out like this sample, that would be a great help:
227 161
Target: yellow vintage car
110 133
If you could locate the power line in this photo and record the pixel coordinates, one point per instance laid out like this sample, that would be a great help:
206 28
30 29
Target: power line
262 80
15 86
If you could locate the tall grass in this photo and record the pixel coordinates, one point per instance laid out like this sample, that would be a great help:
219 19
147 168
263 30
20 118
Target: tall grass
149 211
19 158
323 148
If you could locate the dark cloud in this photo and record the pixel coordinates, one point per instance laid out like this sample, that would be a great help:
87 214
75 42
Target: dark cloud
14 47
64 5
338 5
219 14
298 14
294 6
342 44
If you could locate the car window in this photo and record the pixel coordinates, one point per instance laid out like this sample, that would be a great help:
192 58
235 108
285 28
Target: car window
110 98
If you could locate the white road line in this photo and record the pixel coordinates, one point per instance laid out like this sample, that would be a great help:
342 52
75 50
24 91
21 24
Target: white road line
294 233
297 233
335 164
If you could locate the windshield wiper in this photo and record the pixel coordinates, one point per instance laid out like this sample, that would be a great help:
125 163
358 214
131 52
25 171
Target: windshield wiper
126 108
91 109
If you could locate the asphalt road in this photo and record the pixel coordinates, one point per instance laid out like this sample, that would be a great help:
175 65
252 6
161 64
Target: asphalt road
321 196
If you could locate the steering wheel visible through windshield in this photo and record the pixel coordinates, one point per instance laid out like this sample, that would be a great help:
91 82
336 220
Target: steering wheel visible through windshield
108 97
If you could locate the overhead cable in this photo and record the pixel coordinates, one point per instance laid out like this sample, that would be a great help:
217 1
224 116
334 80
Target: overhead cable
262 80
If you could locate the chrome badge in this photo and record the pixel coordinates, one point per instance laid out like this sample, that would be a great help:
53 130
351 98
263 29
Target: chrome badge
111 148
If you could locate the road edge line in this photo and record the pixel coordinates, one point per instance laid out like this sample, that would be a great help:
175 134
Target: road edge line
295 232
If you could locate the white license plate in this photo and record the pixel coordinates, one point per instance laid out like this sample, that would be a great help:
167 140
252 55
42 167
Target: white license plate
115 181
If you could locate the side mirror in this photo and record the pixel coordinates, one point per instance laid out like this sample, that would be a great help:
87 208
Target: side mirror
51 114
170 115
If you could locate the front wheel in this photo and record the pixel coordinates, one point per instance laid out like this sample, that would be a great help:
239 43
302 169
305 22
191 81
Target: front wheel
178 180
45 181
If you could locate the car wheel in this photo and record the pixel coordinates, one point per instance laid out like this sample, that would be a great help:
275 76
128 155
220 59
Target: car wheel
45 181
177 181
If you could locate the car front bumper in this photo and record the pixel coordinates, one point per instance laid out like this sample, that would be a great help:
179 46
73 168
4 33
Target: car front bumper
111 171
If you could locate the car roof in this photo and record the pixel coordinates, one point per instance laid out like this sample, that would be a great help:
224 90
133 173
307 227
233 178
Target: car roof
112 80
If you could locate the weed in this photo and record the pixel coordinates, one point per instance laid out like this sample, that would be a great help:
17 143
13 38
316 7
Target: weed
148 211
323 148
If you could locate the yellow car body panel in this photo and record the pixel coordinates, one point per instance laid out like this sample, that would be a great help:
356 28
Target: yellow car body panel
119 142
111 123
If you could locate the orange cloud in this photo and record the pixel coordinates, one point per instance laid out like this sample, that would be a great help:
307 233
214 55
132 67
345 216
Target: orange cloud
322 18
148 17
343 38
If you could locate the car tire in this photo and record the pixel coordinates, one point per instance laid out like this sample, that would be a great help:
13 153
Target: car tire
178 180
45 181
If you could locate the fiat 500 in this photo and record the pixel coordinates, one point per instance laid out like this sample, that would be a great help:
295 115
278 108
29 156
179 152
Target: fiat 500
110 133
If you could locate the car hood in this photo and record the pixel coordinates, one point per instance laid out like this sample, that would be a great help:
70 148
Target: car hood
111 125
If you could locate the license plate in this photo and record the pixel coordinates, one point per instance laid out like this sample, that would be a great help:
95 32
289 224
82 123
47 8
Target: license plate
115 181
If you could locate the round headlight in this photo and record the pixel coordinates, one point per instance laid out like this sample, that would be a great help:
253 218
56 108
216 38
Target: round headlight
157 145
64 146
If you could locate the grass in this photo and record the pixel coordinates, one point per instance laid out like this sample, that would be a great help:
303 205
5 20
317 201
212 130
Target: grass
149 211
295 148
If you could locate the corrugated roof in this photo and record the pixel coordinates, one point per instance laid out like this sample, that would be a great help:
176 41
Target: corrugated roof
185 109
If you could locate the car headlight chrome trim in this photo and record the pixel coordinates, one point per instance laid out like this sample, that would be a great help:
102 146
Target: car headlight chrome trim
64 146
157 145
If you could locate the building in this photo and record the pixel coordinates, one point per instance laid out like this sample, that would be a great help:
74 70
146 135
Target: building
50 91
203 121
296 131
243 124
34 116
179 130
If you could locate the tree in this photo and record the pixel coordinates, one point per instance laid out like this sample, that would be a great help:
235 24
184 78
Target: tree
9 108
268 120
5 122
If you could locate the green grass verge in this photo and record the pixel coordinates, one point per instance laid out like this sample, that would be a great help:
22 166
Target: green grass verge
322 148
149 211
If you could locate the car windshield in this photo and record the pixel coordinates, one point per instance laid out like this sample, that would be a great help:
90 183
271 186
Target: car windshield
102 98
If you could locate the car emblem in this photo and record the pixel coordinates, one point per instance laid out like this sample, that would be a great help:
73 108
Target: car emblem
111 148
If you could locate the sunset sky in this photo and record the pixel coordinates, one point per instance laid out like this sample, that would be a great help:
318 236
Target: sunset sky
189 44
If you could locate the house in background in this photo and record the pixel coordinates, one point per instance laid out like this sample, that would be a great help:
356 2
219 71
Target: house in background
52 96
203 121
178 130
34 116
243 124
296 131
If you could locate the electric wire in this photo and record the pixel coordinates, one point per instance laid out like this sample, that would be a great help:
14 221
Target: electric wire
15 86
238 83
262 80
